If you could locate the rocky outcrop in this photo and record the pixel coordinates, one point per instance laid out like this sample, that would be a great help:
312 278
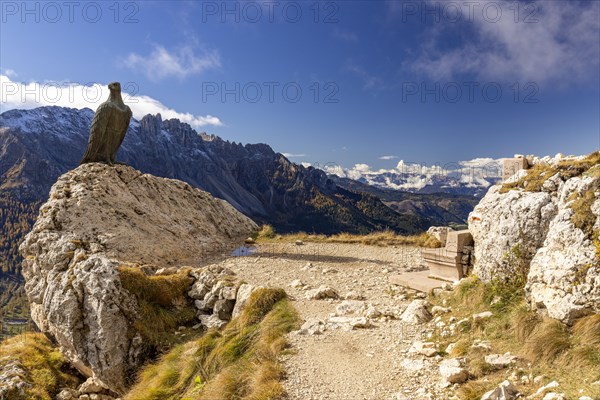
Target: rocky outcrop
507 224
544 226
564 276
98 218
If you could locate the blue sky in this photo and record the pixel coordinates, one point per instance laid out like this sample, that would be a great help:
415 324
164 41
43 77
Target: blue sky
379 79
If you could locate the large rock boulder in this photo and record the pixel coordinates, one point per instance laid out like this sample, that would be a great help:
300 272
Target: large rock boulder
542 228
97 218
508 225
564 276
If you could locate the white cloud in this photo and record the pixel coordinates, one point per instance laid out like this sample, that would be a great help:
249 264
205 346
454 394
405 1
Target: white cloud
561 46
370 81
180 63
306 164
10 73
35 94
388 157
292 155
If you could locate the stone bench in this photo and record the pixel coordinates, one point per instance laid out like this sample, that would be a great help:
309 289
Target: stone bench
452 262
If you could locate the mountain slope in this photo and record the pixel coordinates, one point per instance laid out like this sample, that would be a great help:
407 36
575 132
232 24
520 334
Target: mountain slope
443 208
37 146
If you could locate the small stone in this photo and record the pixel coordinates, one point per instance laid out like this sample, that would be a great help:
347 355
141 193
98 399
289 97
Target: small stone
416 312
452 371
554 396
483 315
354 296
437 310
373 313
313 327
322 293
500 361
299 242
350 307
504 391
91 385
450 348
296 284
546 388
426 349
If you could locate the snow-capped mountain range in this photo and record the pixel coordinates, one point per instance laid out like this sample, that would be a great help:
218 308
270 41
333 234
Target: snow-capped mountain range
472 177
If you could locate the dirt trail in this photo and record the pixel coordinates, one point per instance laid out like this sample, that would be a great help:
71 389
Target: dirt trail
371 363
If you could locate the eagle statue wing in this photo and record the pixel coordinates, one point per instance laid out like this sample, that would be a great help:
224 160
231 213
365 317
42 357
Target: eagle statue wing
129 114
97 138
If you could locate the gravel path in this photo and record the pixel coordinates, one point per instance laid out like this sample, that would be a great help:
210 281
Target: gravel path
371 363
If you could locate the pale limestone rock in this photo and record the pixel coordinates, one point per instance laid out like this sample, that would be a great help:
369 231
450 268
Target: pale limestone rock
91 385
417 312
373 313
562 278
482 315
499 361
313 327
501 221
97 218
352 295
322 293
348 323
440 233
504 391
12 380
412 365
453 371
426 349
437 310
546 388
297 284
211 321
350 307
555 396
243 295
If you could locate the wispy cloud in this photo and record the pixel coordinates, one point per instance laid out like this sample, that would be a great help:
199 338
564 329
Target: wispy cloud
10 73
293 155
180 63
345 35
561 46
388 157
36 94
370 81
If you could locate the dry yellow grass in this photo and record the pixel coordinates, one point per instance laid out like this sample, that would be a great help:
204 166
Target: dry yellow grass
240 362
162 302
383 238
45 367
569 355
540 173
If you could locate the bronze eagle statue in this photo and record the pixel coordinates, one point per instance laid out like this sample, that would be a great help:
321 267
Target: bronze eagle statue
109 127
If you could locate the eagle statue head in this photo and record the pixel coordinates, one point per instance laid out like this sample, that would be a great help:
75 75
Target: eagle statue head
114 87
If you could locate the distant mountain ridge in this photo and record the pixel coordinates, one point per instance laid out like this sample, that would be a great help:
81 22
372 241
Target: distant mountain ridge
39 145
472 177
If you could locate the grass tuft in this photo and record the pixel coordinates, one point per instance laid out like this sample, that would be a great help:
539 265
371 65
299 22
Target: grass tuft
46 369
540 173
382 239
569 355
162 303
240 362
